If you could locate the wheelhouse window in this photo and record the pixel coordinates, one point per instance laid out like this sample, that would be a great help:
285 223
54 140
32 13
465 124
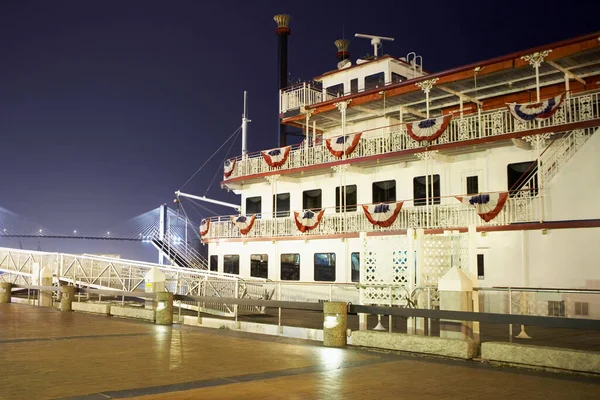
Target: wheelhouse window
336 90
214 263
231 264
351 198
374 81
384 191
354 86
397 78
290 267
325 267
519 175
253 205
311 199
355 265
259 265
472 184
420 190
281 205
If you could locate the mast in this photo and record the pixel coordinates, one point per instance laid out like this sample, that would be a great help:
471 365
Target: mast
245 121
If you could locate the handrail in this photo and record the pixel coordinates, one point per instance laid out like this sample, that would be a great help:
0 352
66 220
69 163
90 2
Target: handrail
394 138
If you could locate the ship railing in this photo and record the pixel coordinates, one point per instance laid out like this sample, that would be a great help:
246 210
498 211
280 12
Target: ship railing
302 95
24 266
448 214
394 138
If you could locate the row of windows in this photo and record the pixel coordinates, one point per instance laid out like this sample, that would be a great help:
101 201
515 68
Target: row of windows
370 82
385 191
324 266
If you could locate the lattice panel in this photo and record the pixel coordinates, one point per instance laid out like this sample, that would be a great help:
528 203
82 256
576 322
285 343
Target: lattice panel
385 269
440 253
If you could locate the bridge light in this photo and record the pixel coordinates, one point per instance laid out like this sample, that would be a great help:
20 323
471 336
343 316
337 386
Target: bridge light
108 233
40 231
75 232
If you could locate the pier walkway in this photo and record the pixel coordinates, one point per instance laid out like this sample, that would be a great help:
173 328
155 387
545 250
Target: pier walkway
48 354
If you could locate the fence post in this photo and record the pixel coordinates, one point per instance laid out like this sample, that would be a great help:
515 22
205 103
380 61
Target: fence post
5 292
66 299
164 308
335 323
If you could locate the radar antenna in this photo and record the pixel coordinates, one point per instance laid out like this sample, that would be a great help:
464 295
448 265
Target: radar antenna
375 40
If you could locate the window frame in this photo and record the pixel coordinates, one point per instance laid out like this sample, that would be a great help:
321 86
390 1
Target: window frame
319 273
236 268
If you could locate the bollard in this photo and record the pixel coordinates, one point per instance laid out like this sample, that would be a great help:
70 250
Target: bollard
164 308
5 292
335 323
67 297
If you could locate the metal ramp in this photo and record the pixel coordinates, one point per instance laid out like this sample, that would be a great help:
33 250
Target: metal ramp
18 267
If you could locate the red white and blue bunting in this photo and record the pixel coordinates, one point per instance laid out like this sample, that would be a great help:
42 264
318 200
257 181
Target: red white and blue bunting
228 168
244 223
308 220
488 206
204 226
276 157
428 129
382 215
343 145
535 110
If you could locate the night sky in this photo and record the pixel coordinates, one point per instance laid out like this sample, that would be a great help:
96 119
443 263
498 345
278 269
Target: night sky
107 107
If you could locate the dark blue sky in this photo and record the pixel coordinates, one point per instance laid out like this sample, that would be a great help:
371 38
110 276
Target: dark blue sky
107 107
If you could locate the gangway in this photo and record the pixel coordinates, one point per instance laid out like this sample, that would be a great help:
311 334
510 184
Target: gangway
18 267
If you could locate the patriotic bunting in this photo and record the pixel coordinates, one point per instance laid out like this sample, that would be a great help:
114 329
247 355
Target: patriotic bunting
204 226
382 215
228 168
307 220
488 206
276 157
243 223
428 129
535 110
343 144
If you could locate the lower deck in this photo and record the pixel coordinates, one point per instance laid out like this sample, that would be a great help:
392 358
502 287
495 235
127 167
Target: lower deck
49 354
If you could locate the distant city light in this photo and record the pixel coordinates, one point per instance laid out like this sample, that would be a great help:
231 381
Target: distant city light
108 233
40 231
75 232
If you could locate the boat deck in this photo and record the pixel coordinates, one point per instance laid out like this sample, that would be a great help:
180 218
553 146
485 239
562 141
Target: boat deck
48 354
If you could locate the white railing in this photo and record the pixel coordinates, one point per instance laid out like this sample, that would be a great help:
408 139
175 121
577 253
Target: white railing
562 151
294 97
520 207
19 267
394 138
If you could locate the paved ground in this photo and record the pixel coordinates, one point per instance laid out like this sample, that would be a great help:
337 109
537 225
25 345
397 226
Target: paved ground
48 354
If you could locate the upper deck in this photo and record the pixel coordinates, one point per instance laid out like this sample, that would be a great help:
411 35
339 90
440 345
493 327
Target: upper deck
475 96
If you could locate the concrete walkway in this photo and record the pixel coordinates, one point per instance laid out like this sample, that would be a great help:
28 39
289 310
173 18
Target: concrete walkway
48 354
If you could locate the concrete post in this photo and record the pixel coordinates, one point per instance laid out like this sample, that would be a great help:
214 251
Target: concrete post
67 297
456 294
5 292
43 277
154 283
335 323
164 308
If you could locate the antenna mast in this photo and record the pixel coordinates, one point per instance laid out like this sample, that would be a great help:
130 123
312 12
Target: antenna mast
375 41
245 121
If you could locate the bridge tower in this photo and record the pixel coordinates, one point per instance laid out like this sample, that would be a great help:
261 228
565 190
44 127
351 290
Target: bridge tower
162 229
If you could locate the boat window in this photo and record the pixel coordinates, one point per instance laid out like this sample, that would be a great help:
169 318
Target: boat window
472 184
351 198
214 263
522 176
259 265
397 77
325 267
253 205
311 199
282 202
556 308
384 191
336 90
354 86
355 264
231 264
290 267
374 81
420 193
480 267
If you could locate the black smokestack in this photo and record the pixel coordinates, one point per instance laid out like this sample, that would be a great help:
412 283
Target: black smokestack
282 32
